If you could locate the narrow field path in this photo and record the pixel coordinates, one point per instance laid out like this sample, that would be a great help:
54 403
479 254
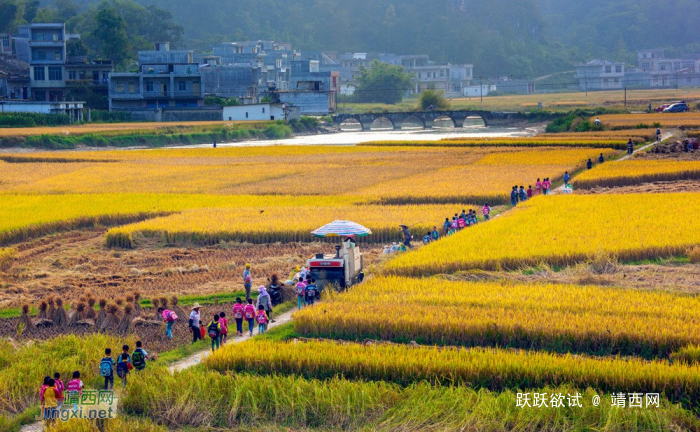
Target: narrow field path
197 357
664 137
191 360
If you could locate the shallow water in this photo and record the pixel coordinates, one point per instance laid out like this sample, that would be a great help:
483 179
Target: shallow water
356 137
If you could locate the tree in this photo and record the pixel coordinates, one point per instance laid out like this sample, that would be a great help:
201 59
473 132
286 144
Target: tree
433 98
8 15
110 34
383 83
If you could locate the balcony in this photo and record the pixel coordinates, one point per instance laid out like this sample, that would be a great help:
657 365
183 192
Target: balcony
157 94
125 96
46 62
187 94
46 43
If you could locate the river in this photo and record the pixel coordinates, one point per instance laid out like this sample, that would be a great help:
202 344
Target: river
352 137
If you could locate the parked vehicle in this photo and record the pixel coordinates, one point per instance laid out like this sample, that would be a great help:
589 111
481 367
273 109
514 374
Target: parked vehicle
662 107
677 108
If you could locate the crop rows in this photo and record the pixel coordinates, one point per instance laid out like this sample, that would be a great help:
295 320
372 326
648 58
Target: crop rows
250 401
493 369
564 230
538 141
666 120
278 224
633 172
561 318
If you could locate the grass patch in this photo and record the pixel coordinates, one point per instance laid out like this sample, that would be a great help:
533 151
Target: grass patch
169 357
280 333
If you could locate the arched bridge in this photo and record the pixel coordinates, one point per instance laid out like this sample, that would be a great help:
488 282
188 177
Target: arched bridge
427 118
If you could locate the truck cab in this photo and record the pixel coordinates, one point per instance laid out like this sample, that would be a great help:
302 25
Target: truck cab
340 270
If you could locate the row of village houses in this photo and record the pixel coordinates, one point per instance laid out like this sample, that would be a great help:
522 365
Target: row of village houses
180 79
653 70
309 81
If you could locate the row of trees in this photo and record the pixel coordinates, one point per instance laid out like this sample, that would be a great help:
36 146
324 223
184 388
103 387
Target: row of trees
110 29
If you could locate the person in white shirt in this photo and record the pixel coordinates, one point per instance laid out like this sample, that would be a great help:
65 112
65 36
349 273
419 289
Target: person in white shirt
194 323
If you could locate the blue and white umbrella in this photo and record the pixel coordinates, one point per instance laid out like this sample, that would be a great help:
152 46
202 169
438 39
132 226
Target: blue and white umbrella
342 228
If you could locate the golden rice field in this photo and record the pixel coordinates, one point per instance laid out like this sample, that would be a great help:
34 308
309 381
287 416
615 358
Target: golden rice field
538 141
493 369
667 120
116 128
563 230
278 223
632 172
436 175
24 216
560 318
637 135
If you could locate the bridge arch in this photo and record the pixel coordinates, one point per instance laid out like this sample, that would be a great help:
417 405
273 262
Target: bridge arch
375 124
351 124
413 121
443 120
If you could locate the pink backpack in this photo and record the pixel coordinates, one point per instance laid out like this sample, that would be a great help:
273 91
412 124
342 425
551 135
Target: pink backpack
249 312
169 315
238 310
262 318
74 385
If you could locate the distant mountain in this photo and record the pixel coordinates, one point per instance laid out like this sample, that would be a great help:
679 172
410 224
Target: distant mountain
521 38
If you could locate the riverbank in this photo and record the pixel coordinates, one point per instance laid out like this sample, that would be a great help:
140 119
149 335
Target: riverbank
151 135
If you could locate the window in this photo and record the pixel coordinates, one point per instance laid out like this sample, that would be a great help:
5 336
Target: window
39 95
149 86
105 76
120 88
618 69
263 110
57 55
279 63
182 85
6 41
608 69
82 75
55 73
645 65
72 75
40 55
39 73
195 87
246 114
132 88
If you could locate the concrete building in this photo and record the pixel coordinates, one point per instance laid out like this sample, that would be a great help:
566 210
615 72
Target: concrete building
668 72
600 75
72 109
43 46
312 90
259 112
165 79
429 75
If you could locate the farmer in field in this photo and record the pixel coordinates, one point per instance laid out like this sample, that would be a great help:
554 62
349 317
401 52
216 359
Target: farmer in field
406 236
514 196
589 164
658 134
597 121
247 281
194 323
630 146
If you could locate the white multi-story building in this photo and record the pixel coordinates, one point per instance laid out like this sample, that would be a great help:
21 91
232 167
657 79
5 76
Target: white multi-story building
601 75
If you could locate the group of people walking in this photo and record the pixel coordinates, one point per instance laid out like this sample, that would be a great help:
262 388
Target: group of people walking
53 393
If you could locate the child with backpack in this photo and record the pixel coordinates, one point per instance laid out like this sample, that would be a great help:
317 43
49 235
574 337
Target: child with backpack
214 332
169 317
60 388
447 226
311 292
261 318
49 402
124 364
202 330
249 314
224 326
75 387
238 310
435 234
300 291
486 211
107 369
139 356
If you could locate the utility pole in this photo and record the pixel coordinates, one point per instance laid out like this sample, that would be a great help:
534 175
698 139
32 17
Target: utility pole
586 81
481 88
625 95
